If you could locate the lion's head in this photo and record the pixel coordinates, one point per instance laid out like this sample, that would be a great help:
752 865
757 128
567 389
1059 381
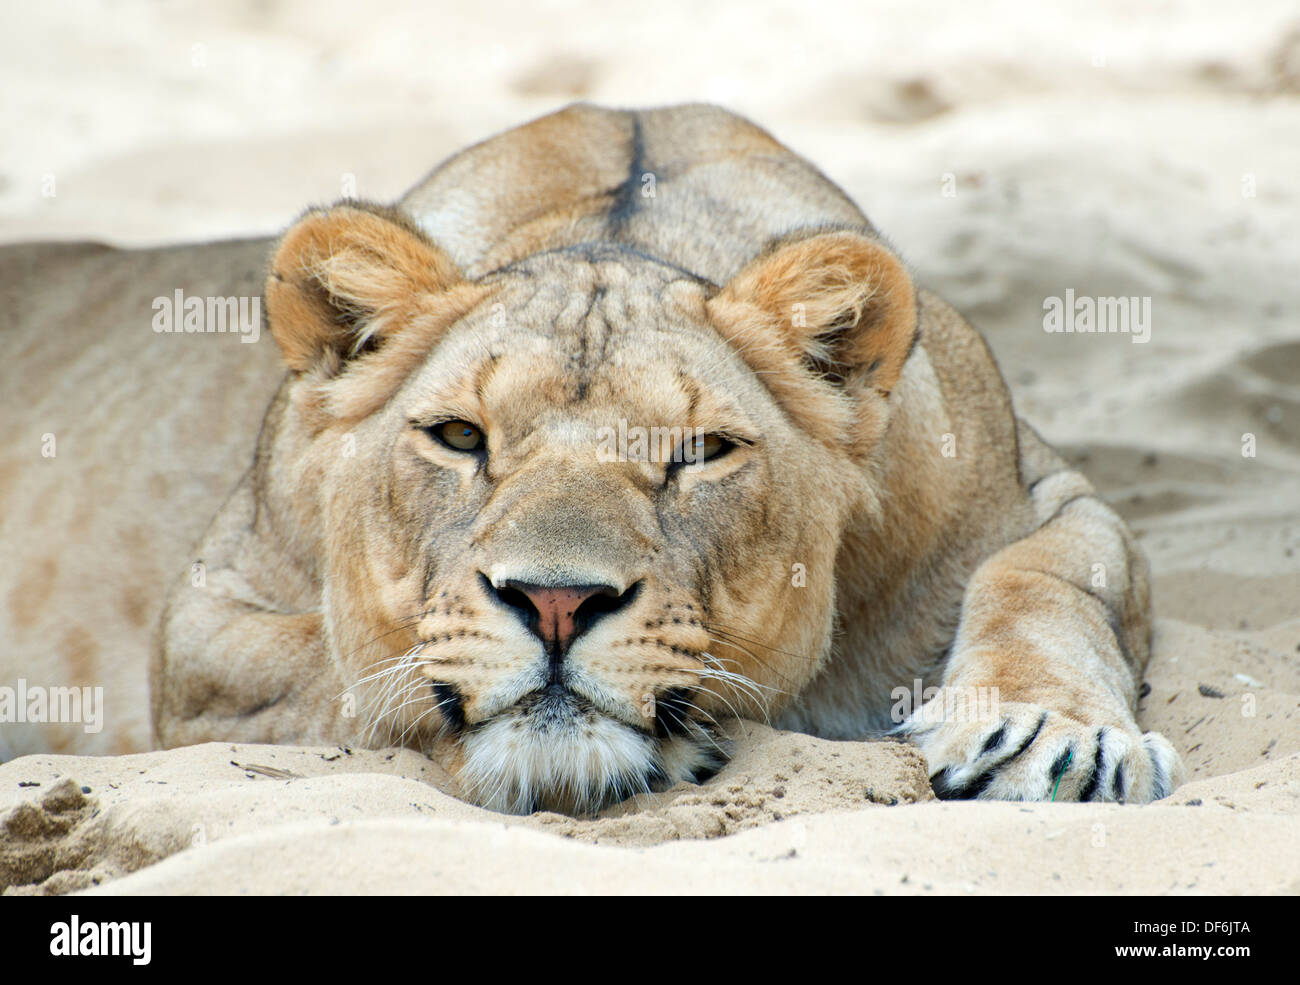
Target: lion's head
567 516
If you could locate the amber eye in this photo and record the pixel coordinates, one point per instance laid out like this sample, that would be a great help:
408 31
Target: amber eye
709 446
459 435
702 448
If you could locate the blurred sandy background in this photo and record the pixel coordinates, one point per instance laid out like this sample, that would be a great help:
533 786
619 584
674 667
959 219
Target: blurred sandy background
1011 151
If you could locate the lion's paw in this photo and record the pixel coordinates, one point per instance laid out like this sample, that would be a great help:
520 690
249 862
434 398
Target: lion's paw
1031 753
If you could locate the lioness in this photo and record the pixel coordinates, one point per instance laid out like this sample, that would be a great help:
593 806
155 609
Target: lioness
618 424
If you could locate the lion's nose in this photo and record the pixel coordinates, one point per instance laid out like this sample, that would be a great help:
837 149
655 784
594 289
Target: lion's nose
557 615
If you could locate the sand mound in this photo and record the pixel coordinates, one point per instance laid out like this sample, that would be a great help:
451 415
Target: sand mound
74 822
804 815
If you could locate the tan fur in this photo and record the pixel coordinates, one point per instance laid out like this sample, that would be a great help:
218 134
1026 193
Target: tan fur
881 521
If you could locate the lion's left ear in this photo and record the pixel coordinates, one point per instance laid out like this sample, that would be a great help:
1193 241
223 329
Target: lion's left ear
839 302
346 278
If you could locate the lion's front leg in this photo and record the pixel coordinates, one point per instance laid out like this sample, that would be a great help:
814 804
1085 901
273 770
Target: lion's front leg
259 677
1055 628
235 663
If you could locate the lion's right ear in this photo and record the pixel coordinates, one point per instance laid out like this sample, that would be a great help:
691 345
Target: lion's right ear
345 279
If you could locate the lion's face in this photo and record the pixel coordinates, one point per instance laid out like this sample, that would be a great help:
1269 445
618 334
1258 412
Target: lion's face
600 532
565 526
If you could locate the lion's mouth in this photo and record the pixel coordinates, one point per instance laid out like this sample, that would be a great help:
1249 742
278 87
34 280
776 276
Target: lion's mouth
555 708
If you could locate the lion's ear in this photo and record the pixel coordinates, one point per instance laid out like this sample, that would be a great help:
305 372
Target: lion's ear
342 279
840 302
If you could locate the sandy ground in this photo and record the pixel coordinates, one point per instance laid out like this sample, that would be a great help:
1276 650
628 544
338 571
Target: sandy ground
1010 155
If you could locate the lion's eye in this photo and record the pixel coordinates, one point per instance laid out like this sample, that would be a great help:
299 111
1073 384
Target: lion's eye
703 448
710 446
459 435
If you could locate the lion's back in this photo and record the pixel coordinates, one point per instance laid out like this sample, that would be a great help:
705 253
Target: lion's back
120 443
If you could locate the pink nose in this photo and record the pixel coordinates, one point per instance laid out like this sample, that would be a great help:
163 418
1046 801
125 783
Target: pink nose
557 615
557 610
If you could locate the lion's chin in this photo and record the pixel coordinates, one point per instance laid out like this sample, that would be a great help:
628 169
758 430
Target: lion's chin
564 756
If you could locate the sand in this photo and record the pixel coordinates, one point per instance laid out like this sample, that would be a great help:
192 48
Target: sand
1012 152
790 814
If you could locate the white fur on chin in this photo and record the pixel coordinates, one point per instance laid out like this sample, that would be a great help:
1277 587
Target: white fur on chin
572 765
